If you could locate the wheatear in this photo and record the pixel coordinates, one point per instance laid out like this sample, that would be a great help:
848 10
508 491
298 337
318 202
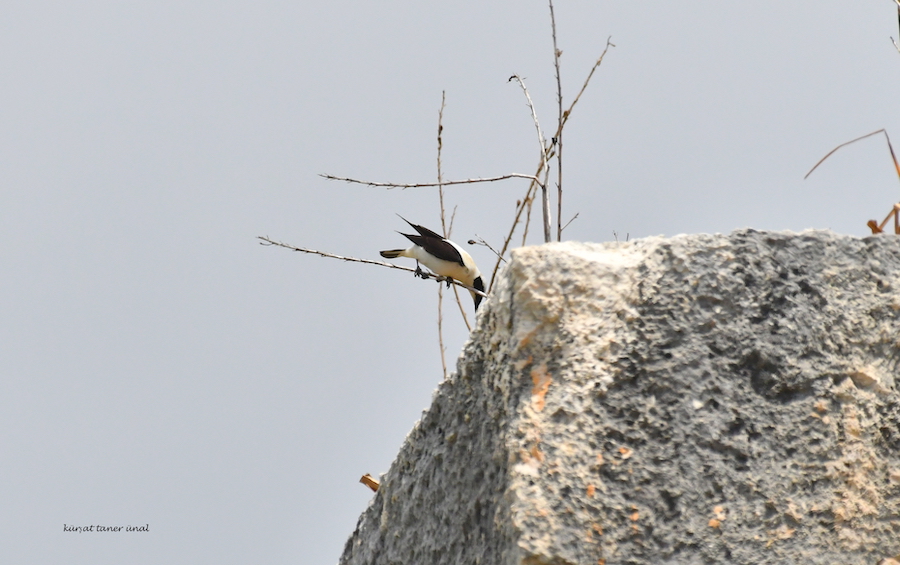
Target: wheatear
442 257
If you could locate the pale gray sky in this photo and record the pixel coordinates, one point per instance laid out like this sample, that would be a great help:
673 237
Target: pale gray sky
160 367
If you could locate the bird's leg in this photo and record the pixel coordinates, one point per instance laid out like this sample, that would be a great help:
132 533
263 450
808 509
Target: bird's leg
419 272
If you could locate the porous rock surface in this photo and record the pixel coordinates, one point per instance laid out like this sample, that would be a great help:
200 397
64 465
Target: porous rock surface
699 399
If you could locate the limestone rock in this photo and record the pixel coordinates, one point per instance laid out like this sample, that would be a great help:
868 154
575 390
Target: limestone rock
699 399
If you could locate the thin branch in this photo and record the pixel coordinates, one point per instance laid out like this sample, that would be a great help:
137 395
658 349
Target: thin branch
440 178
558 137
452 219
545 205
520 207
568 113
537 124
481 241
447 230
570 221
432 184
545 208
462 310
882 130
897 47
530 203
440 324
459 303
265 240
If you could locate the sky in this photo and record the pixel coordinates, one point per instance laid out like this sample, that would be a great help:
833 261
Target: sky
160 367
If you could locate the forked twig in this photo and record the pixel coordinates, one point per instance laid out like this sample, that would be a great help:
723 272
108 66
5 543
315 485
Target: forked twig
481 241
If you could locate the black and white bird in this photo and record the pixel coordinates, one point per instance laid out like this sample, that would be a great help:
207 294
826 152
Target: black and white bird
442 256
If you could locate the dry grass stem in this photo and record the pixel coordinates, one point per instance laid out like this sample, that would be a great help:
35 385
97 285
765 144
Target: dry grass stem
830 153
265 240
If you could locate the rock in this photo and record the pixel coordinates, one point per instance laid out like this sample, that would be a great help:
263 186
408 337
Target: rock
699 399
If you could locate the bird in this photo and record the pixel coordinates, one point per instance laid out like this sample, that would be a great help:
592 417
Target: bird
442 257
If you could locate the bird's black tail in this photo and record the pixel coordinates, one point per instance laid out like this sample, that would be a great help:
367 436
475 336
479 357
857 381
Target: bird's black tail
392 253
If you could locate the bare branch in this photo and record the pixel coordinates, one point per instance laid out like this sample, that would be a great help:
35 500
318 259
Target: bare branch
545 208
537 124
520 207
568 113
530 203
432 184
440 325
265 240
559 121
481 241
447 230
440 178
570 221
462 310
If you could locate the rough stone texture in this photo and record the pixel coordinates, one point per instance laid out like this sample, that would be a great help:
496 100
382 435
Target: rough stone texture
699 399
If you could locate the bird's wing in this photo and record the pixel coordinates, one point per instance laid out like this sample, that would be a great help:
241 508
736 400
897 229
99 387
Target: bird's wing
437 246
423 231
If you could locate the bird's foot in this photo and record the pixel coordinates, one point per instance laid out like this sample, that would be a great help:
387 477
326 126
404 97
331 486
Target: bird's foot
420 273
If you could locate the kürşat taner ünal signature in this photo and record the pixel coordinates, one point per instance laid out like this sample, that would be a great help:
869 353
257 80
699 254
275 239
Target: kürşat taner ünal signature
99 528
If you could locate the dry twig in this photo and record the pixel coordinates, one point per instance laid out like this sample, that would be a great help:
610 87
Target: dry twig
481 241
446 230
440 177
433 184
557 139
545 195
830 153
